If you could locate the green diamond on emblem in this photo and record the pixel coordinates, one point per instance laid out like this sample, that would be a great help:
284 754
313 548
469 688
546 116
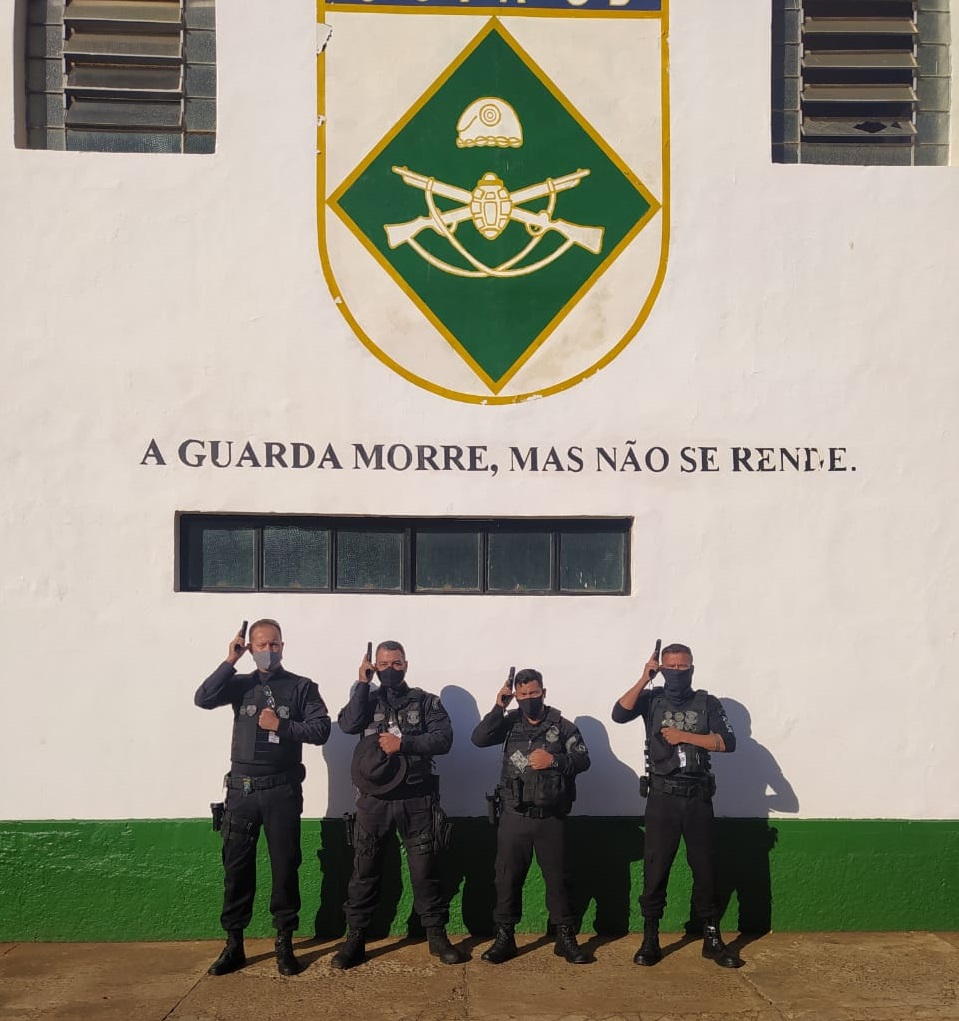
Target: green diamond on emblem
494 205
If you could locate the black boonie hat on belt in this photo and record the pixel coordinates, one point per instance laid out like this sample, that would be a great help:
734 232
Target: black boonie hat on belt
373 771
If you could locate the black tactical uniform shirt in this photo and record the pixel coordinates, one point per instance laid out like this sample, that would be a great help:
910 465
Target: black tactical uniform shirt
716 723
553 734
303 717
423 723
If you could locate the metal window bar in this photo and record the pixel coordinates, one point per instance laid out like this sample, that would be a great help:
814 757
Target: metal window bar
859 72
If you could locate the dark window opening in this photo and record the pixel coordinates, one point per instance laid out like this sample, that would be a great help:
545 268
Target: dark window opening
461 556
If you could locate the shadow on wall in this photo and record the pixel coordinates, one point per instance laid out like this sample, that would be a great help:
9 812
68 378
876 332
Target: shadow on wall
467 773
602 850
750 786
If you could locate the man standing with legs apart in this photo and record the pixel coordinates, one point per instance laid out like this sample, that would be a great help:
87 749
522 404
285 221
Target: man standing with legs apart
274 714
682 727
542 754
402 728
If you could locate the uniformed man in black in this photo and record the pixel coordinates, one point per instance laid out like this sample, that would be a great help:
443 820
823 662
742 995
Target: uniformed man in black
411 723
274 714
542 754
683 727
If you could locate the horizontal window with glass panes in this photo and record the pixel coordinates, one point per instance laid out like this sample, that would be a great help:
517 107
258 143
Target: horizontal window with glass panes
435 556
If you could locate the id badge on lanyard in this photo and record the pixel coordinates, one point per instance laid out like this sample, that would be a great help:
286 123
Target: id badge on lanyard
272 735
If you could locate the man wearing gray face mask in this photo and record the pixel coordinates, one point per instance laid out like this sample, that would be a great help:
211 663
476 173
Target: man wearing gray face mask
683 727
275 713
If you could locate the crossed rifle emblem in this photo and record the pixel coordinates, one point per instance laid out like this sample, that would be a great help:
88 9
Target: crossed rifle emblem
491 207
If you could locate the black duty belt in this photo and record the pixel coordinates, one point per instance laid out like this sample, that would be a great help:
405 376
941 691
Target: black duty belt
539 813
686 788
248 784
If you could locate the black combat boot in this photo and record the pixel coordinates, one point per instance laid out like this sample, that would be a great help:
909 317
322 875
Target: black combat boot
232 957
504 946
650 952
440 945
566 945
286 963
715 949
353 951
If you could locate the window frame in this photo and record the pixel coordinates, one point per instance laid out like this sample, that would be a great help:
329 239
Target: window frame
134 116
408 528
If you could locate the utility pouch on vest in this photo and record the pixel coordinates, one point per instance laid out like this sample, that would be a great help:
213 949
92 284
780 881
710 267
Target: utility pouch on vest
548 790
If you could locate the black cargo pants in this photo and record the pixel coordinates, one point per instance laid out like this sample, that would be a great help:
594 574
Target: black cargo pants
376 820
277 810
669 817
518 836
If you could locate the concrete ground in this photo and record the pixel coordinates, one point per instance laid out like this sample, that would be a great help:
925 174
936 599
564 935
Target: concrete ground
816 976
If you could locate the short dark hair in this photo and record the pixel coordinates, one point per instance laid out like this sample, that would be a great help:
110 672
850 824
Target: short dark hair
391 647
527 676
679 647
265 622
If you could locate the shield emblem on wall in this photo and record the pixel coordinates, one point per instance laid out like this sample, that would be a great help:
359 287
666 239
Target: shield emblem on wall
493 185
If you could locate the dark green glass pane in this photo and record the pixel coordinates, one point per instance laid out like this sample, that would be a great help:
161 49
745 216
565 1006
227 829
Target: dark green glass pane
219 557
369 561
447 561
296 556
519 561
592 561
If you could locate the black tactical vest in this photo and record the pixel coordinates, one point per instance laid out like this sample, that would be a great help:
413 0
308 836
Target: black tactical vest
692 717
521 786
251 744
409 717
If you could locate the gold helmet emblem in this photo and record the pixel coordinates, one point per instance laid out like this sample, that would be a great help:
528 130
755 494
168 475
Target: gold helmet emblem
489 121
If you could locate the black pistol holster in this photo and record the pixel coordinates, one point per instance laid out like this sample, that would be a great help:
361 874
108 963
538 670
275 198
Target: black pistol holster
494 806
442 828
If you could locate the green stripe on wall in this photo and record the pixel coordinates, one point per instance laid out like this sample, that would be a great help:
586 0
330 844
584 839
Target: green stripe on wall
161 879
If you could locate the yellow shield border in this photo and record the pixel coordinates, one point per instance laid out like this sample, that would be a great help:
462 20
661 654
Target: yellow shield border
502 13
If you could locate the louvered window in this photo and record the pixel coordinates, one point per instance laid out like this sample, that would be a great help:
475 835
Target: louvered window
862 81
121 75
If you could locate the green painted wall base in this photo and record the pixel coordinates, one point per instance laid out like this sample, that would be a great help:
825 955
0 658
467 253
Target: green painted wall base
159 879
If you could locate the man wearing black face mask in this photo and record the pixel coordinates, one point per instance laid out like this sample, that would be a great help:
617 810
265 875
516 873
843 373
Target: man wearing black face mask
542 754
683 727
274 714
411 725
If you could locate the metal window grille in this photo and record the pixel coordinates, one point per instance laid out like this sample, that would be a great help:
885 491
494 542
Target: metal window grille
121 75
861 81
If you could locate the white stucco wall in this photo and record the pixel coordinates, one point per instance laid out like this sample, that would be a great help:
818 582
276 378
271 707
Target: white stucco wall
174 297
